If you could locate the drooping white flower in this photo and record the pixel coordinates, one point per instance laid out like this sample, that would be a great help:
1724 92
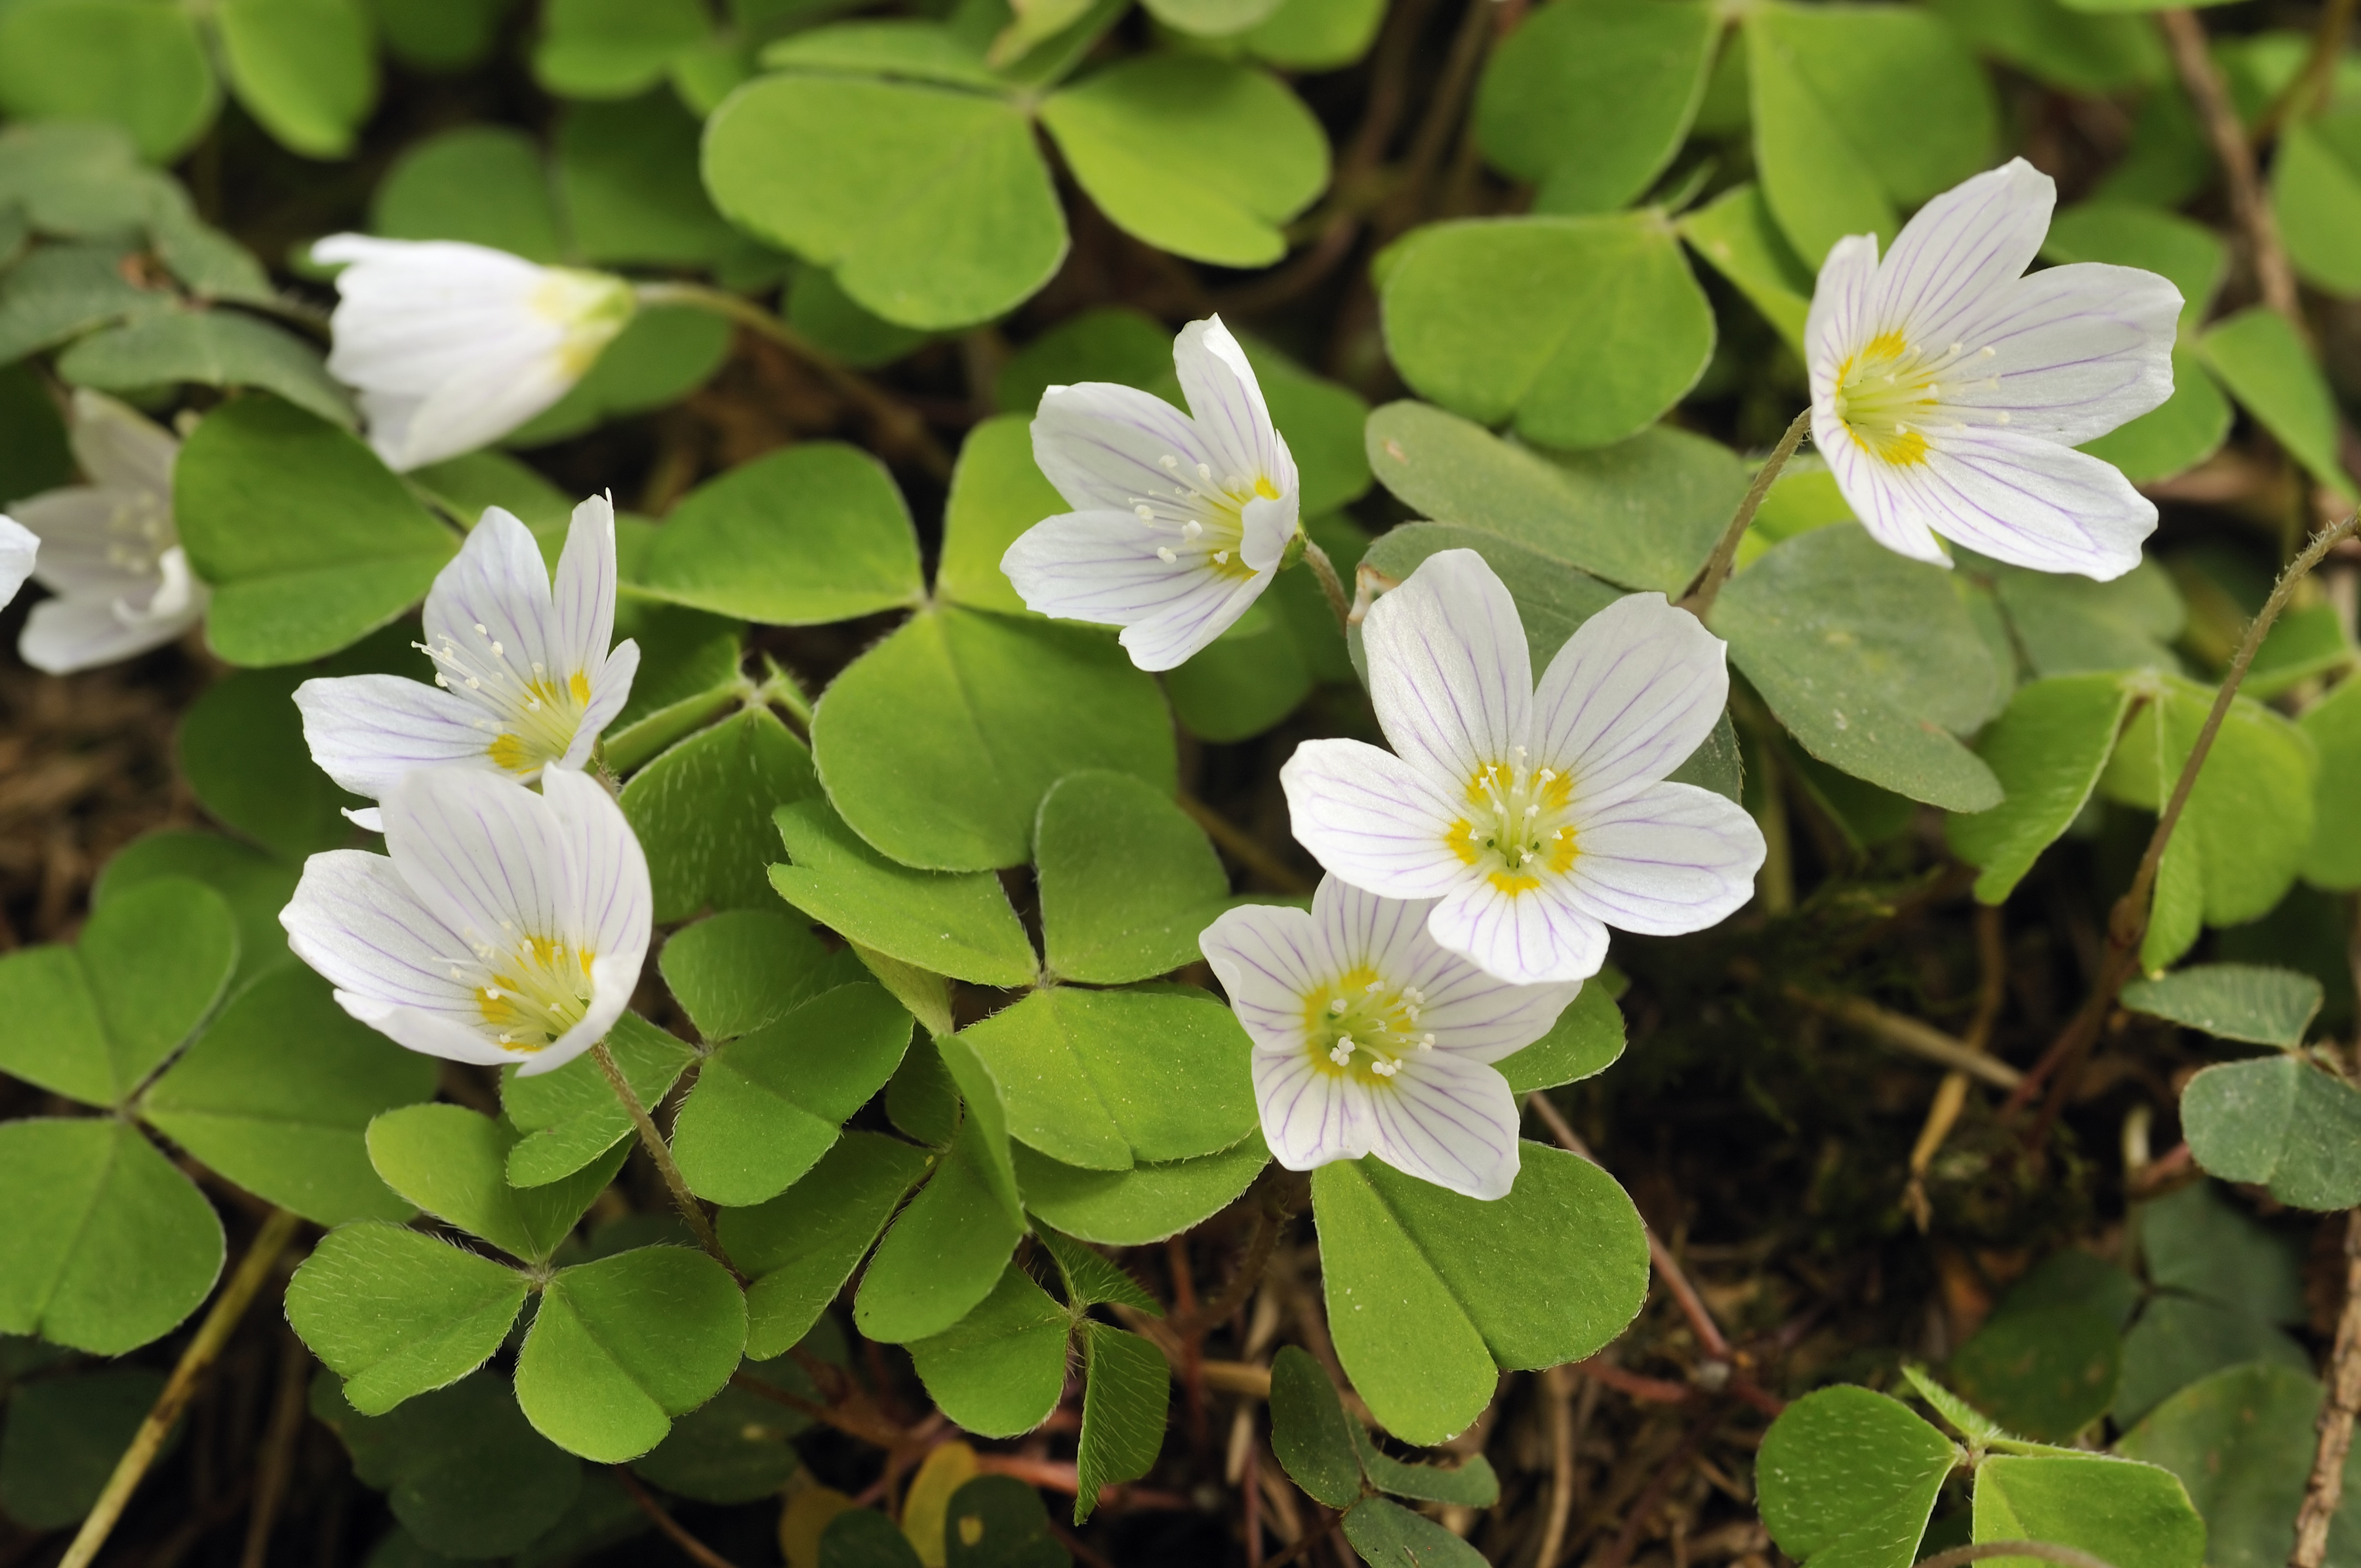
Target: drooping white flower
1950 389
1369 1039
453 345
1178 519
1535 819
19 547
523 678
109 552
504 927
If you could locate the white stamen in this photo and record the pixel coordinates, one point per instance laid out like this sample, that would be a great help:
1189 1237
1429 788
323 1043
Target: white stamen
1164 554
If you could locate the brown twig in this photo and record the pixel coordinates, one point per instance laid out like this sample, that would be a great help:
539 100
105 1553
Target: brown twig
1951 1094
1618 1554
1698 600
1405 201
1652 1391
853 1417
1191 1320
287 1413
673 1529
651 1140
203 1350
1557 1388
1907 1033
2127 923
2326 1492
2185 36
1244 847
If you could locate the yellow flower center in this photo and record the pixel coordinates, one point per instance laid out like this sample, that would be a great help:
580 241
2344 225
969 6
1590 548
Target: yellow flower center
1885 395
1361 1025
538 717
1515 829
591 307
1208 514
532 992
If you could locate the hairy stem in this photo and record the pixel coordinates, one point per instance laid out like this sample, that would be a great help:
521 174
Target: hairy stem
653 1140
203 1350
902 426
2325 1491
1330 584
2185 36
1699 600
1241 1285
2127 923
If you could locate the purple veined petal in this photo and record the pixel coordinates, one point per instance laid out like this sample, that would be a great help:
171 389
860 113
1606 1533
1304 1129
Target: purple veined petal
120 449
485 856
2027 502
1225 402
1451 1121
1372 820
1352 929
582 602
1266 527
1175 634
1103 445
1533 937
1311 1116
1449 671
1669 860
611 688
1961 252
1832 330
1635 690
1482 1019
1878 495
356 921
2077 350
367 732
1103 567
1265 956
491 607
612 908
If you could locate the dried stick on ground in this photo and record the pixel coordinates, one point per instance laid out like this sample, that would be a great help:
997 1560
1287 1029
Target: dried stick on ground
2326 1490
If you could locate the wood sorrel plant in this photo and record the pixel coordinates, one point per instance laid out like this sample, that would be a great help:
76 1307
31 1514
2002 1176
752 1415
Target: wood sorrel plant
1150 862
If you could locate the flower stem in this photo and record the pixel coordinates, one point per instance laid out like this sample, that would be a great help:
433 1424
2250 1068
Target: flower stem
2127 923
2325 1491
1331 585
661 1152
901 426
1699 600
229 1308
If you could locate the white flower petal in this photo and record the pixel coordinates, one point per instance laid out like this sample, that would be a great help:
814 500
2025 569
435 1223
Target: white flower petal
1371 819
1480 1017
465 415
427 1033
1103 446
1832 330
2027 502
368 731
1885 508
611 688
1311 1116
1449 672
485 856
1225 399
2078 350
582 607
612 978
1959 251
81 550
1671 859
1451 1121
120 449
1266 527
499 583
19 547
612 908
1268 958
1102 566
66 634
1352 928
355 921
1635 690
1535 936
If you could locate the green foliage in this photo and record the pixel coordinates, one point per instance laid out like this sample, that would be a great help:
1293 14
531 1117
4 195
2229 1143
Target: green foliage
703 811
2048 751
1127 880
952 922
62 1438
799 1249
396 1313
1126 1389
2241 1442
1848 1479
1000 1370
1310 1433
2281 1124
2264 363
621 1345
453 1162
1145 1203
565 1120
2233 1002
462 1469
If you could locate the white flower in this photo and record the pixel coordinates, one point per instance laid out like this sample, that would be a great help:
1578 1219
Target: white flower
452 346
1370 1039
1180 520
525 678
1537 818
18 547
1949 390
109 552
505 927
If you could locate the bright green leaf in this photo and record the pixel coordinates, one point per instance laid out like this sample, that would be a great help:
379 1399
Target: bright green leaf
1144 1204
801 1246
1000 1370
453 1162
1127 1390
1848 1478
1587 1040
1736 233
2267 369
741 969
138 63
957 924
2048 751
945 1251
2334 726
612 49
997 494
483 185
2138 1515
703 809
2316 195
396 1313
622 1345
569 1117
1127 880
305 68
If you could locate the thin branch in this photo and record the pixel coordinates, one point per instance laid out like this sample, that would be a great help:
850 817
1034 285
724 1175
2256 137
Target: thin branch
203 1350
1906 1034
902 426
2325 1491
1653 1390
2307 93
278 1455
1699 600
651 1140
697 1550
1557 1388
1267 1223
1951 1095
1294 1554
1248 851
1325 570
2043 1551
2185 36
2127 923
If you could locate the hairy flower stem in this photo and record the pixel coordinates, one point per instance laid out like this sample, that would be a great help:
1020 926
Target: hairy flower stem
658 1150
1331 585
2127 924
901 426
203 1350
1699 600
